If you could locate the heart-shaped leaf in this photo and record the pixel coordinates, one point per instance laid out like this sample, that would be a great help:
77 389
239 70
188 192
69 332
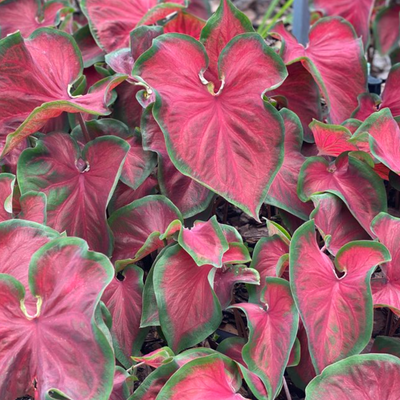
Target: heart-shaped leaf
283 191
78 183
188 308
382 371
335 223
273 324
333 55
226 123
67 281
50 62
344 178
336 310
140 227
123 298
357 12
386 289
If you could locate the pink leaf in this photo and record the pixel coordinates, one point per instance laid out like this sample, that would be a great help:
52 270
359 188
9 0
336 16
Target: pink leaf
336 310
51 63
185 23
331 140
335 223
188 195
205 242
157 357
333 55
382 372
139 227
123 298
344 178
78 184
33 207
283 191
28 15
68 281
386 290
225 127
120 389
189 310
390 95
357 12
273 326
386 29
91 52
300 94
211 377
226 277
7 182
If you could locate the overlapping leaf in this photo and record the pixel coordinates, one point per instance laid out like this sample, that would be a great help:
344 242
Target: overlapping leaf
50 62
218 124
336 309
78 183
333 55
68 281
386 28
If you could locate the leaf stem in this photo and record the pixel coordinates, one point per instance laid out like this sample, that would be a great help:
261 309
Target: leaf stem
287 392
267 15
276 17
85 132
134 366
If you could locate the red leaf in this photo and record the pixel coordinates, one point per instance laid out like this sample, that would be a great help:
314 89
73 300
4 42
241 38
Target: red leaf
273 326
205 242
140 227
335 58
344 178
120 389
336 311
185 23
91 52
28 15
68 281
390 96
368 103
331 140
189 310
188 195
335 223
381 371
386 290
123 298
225 124
78 184
50 63
157 357
283 191
357 12
33 207
300 94
386 29
211 377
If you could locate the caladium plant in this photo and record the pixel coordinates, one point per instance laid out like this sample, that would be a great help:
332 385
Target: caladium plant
142 143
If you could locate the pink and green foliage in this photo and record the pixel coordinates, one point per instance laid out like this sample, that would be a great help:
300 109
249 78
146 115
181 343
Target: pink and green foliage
335 223
213 376
6 193
75 180
386 289
50 61
334 299
283 191
386 345
386 28
346 379
333 55
188 195
357 12
140 227
67 281
29 15
273 326
343 177
123 298
121 390
157 357
236 93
